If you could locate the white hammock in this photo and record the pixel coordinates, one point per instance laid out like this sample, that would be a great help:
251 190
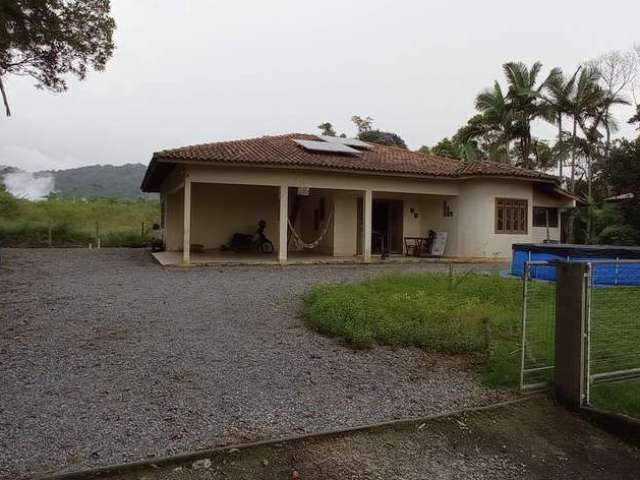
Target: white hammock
300 243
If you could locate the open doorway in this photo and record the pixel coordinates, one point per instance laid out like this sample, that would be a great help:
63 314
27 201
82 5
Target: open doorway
387 226
386 234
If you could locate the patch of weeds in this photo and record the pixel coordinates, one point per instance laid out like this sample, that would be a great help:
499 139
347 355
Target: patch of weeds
471 314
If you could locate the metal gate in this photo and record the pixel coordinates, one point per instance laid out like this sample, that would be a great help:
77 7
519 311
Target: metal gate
612 336
611 324
538 325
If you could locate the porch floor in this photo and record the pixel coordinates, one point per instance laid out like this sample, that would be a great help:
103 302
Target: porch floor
216 257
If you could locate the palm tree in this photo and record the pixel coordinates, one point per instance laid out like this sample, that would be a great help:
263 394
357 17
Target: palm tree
525 100
597 115
559 90
583 99
576 98
497 117
585 96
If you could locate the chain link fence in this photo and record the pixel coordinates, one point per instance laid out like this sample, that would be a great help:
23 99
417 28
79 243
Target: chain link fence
538 326
613 334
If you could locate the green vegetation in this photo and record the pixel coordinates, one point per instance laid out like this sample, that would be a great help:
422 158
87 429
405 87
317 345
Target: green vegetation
623 397
581 105
49 40
473 314
366 132
67 222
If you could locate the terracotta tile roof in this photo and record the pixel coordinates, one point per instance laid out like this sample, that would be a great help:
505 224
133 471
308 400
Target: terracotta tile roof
498 169
282 151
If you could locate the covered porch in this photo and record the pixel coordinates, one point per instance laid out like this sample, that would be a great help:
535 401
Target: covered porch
305 224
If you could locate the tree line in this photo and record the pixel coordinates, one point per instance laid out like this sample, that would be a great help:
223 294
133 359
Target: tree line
590 163
580 106
366 132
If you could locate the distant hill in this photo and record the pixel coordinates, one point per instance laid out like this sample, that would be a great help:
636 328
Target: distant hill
122 181
4 169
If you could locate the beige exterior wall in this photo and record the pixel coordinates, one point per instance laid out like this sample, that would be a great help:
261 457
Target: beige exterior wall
227 200
219 211
305 223
325 180
345 224
425 212
433 219
476 220
539 234
341 238
412 226
174 219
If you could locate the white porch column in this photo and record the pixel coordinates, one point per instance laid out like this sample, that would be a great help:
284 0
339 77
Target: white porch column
284 215
367 221
186 240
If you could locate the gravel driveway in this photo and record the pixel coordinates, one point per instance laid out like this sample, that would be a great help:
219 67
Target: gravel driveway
106 357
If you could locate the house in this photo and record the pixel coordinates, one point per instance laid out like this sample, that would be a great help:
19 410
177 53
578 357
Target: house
347 198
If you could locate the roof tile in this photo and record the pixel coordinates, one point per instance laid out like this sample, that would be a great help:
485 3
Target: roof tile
282 151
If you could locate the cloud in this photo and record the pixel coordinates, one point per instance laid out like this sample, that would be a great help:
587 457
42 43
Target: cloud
414 66
29 159
29 186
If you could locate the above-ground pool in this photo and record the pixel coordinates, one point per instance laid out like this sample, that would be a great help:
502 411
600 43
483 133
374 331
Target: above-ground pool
611 267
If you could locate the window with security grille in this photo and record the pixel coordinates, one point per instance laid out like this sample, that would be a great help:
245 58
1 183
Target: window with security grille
545 217
512 216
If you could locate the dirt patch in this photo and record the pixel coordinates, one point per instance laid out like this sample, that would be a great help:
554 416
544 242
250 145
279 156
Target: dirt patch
534 439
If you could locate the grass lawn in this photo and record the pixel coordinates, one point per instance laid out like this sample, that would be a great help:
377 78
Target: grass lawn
622 397
471 314
474 314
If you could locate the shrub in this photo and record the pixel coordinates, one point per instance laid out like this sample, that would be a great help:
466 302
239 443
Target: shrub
619 235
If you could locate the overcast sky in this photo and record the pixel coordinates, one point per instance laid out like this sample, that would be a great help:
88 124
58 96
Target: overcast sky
196 71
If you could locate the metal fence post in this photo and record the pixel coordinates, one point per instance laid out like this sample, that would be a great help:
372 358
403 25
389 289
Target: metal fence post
571 295
586 398
523 328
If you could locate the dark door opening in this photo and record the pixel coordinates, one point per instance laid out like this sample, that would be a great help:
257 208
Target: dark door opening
386 226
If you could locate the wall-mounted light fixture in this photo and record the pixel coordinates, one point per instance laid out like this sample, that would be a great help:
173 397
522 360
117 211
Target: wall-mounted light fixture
446 210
